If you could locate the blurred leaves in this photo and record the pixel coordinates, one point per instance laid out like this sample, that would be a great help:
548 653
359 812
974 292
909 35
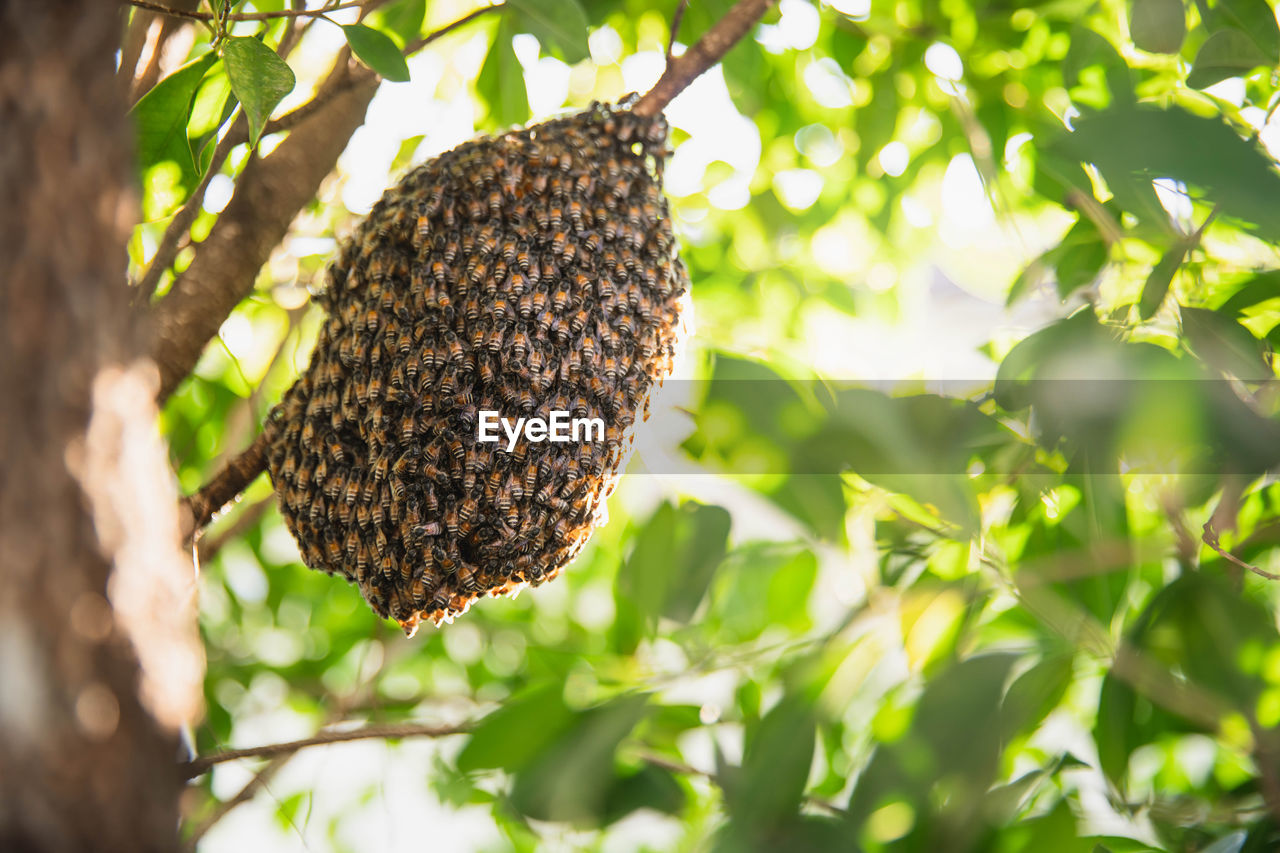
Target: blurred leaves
668 572
1157 25
1230 172
560 25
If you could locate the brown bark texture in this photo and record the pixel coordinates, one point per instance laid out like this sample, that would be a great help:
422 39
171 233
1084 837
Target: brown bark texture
85 763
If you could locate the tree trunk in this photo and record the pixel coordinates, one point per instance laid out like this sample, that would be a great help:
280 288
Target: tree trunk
87 743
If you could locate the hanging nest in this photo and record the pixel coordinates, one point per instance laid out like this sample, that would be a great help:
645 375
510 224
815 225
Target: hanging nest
524 273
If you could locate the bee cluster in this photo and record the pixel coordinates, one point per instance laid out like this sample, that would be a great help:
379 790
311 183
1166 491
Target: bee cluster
525 273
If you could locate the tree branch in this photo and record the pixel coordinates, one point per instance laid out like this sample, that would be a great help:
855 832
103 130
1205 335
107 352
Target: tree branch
1210 538
233 479
269 194
717 41
242 16
417 45
194 768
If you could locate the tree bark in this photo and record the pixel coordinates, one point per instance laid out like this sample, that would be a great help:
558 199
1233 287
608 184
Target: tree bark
87 733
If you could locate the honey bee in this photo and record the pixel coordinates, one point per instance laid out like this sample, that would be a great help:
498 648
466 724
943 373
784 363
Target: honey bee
520 341
451 517
457 450
467 578
543 323
454 345
467 512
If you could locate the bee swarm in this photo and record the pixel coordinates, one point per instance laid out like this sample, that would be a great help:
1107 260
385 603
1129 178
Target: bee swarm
528 272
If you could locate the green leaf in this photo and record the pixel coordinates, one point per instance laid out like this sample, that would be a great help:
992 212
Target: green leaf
501 80
1255 18
377 51
1158 26
1263 287
1080 257
769 786
668 571
1114 731
1226 53
514 735
259 78
162 114
404 19
1223 343
650 788
1035 693
1137 144
1090 50
702 536
1157 286
559 25
573 778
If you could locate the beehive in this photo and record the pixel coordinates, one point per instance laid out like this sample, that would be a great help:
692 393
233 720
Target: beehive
523 273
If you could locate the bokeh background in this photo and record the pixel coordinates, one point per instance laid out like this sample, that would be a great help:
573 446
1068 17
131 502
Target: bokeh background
912 553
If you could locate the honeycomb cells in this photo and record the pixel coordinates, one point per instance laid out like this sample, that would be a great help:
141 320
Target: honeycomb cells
524 273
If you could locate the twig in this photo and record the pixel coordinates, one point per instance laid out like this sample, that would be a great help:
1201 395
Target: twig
1210 538
248 792
240 16
228 483
207 548
192 769
675 27
717 41
418 44
1102 220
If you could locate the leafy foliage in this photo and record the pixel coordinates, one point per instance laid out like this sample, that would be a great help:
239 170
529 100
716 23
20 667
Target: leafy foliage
969 401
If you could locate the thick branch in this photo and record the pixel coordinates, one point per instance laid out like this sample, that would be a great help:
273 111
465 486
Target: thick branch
270 193
192 769
683 70
233 479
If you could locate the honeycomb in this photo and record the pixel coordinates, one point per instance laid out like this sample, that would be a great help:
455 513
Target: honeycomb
523 273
